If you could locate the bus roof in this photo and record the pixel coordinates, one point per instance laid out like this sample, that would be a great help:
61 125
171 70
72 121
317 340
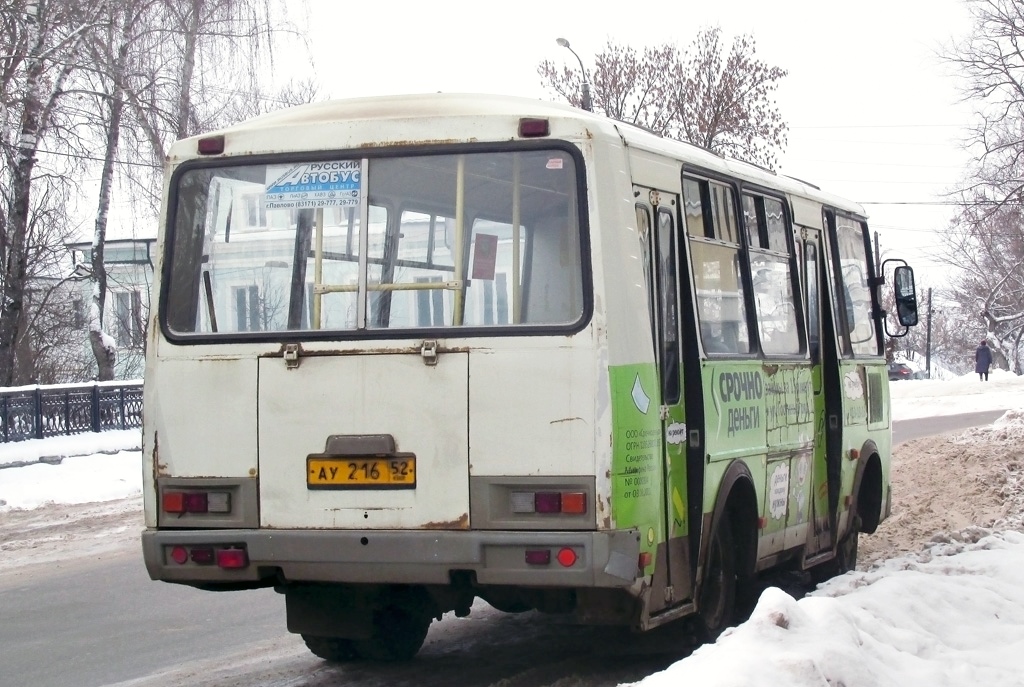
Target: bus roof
475 105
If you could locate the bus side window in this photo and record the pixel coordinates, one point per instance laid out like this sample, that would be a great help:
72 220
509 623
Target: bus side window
772 275
716 269
811 266
643 226
669 341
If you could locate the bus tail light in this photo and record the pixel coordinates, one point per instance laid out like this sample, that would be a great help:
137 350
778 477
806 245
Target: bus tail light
180 502
566 557
231 557
548 502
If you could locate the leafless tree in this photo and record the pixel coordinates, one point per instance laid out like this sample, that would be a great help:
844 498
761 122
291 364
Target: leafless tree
986 238
40 47
986 243
168 69
991 65
722 102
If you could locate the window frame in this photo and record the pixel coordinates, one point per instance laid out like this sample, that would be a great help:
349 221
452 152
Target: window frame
745 250
169 247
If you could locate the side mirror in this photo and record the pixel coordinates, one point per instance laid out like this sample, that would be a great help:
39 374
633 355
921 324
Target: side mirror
906 295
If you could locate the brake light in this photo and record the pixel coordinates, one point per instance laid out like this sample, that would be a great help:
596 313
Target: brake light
574 502
174 502
232 558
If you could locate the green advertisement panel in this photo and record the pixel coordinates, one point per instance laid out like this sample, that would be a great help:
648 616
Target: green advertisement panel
637 449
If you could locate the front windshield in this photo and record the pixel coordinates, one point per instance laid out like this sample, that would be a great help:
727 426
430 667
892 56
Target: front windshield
466 240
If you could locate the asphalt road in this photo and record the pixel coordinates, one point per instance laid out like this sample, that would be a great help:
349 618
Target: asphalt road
905 430
105 621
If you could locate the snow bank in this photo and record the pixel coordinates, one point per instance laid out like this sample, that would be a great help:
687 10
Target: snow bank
952 615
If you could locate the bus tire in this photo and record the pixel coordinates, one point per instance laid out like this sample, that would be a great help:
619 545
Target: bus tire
398 633
718 590
331 649
844 562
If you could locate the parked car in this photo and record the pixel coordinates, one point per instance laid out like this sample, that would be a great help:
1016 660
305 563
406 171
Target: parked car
900 371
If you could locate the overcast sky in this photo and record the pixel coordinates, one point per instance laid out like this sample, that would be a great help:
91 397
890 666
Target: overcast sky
873 112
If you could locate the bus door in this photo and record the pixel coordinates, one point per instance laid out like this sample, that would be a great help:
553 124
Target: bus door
824 379
657 220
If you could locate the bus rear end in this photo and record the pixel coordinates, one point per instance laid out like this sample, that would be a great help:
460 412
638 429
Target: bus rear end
372 378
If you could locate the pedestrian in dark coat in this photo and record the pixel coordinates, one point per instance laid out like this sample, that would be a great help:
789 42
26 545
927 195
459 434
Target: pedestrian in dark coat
982 360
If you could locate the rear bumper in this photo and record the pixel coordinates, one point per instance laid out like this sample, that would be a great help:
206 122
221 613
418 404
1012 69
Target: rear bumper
606 559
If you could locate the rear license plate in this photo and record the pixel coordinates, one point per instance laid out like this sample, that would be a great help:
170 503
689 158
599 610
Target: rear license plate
361 473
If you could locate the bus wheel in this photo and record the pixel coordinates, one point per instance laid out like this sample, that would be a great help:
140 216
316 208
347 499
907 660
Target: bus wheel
398 633
844 562
718 591
332 649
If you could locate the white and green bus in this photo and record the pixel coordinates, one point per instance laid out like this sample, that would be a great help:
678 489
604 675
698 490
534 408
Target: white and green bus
416 350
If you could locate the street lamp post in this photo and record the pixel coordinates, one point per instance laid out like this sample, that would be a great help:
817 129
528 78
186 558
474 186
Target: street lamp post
588 104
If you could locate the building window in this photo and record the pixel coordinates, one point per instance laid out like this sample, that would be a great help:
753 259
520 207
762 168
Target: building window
247 308
128 319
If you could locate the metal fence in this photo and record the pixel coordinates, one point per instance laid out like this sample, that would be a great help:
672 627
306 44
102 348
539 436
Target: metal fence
49 411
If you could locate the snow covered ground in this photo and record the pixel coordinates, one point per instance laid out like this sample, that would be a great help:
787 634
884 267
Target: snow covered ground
949 615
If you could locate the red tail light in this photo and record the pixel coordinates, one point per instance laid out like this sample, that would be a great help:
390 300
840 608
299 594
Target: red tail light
232 558
196 502
174 502
566 557
548 502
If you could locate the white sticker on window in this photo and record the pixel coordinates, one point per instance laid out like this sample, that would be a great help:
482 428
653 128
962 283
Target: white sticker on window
313 185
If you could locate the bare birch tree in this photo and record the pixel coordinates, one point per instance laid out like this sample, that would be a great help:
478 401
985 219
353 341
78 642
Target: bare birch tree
41 47
169 69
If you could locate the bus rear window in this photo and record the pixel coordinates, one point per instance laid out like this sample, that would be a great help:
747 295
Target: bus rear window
440 241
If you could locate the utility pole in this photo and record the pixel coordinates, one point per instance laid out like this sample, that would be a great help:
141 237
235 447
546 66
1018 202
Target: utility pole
928 339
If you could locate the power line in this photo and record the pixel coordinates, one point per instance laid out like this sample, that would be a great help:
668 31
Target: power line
953 203
80 156
879 126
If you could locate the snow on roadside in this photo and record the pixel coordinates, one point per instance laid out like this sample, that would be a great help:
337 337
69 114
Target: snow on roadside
52 449
78 479
81 468
952 615
967 394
